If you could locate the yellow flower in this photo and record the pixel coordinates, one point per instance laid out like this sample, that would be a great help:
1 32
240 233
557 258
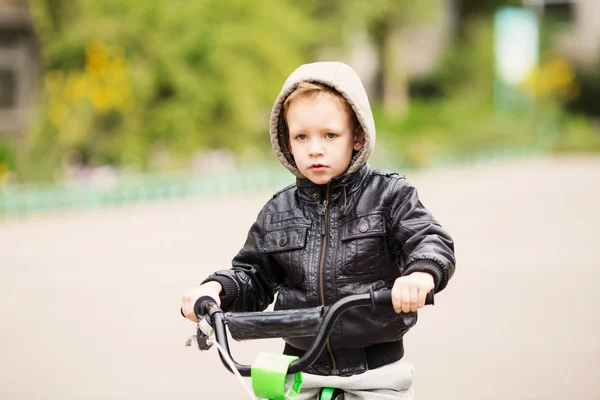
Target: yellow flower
101 98
116 72
76 87
560 74
105 83
96 58
555 78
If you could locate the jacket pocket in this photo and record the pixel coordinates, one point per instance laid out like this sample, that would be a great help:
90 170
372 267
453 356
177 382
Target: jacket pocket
364 246
286 247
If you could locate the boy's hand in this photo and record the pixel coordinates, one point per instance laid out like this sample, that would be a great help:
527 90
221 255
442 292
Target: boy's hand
409 292
212 289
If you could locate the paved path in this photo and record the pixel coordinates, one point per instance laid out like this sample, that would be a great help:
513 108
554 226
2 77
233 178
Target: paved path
89 300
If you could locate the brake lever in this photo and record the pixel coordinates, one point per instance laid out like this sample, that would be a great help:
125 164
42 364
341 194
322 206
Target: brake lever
204 333
202 338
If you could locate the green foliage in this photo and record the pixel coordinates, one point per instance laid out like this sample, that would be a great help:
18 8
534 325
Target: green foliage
464 121
577 135
468 66
149 84
128 80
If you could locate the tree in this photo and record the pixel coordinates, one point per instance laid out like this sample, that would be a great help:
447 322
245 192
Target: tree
125 80
383 21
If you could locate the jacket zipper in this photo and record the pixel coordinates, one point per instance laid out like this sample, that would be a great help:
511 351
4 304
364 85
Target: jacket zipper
322 271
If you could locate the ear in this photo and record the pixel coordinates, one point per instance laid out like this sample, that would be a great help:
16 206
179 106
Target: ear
359 139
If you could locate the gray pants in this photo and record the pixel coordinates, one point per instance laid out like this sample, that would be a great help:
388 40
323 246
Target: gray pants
390 382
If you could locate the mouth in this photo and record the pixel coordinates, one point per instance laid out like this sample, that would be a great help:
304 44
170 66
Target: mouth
318 167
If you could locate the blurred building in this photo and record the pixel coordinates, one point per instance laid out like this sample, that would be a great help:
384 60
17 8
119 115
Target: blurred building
580 39
18 65
420 47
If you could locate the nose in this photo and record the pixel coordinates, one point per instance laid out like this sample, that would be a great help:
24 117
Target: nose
316 149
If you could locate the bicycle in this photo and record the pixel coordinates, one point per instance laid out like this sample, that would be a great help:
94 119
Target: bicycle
278 376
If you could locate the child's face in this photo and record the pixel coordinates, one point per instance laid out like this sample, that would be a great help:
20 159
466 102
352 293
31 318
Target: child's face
322 137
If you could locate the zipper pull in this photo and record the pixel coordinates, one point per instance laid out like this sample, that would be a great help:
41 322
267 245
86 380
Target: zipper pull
324 207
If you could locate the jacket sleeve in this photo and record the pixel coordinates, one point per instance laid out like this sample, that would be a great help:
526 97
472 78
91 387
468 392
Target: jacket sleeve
251 283
425 245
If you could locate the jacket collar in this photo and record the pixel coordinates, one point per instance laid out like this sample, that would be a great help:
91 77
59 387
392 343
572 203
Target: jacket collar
344 185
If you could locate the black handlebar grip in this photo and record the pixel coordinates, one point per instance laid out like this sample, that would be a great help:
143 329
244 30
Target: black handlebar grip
199 306
429 298
384 298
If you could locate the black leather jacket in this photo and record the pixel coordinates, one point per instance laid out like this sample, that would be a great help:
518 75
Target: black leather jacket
316 244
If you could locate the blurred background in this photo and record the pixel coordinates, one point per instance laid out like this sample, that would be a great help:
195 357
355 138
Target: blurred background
127 127
115 94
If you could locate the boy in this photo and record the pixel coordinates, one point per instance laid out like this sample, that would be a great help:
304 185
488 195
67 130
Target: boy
341 229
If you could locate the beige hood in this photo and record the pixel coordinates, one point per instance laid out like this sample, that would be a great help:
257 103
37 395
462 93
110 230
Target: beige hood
345 80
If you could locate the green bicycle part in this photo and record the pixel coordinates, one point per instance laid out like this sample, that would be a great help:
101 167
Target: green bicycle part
326 393
270 379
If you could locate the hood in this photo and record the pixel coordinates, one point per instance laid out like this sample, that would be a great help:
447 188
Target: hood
346 81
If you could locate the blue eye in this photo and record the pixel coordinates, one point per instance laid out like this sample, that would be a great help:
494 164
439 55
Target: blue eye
301 137
330 135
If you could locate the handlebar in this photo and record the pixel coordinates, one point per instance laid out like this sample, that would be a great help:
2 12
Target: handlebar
317 321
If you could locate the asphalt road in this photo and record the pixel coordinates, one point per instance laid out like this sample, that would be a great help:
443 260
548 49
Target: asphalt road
89 300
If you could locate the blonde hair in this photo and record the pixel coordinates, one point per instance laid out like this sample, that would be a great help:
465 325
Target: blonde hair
312 90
